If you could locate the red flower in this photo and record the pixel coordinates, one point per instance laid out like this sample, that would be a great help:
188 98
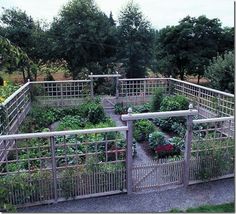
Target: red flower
165 148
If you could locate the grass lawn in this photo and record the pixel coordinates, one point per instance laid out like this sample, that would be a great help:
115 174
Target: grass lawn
222 208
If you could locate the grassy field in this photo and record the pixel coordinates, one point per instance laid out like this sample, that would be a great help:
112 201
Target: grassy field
222 208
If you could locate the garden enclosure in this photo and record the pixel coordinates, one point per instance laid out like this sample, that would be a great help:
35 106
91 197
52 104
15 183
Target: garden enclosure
114 172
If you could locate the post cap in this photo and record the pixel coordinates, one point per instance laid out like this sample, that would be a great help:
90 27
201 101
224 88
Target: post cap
129 110
28 80
190 106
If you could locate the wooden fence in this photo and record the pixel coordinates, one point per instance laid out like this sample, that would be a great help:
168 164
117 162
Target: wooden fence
155 174
56 166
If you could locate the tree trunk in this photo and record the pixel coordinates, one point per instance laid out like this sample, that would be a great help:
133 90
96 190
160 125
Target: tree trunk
23 73
182 75
198 79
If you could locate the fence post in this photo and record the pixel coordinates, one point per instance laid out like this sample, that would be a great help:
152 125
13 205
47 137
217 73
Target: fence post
144 90
61 88
117 87
91 86
129 139
54 167
188 142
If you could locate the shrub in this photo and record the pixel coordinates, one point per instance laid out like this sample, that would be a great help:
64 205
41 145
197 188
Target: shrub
174 103
157 99
93 111
156 139
120 108
142 129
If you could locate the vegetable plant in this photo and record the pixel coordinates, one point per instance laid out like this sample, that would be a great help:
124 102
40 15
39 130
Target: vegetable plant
142 129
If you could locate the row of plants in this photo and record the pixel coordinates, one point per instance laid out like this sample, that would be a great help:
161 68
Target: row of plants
91 111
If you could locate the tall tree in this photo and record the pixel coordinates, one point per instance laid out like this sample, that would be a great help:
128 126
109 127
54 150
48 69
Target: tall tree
136 39
24 32
82 35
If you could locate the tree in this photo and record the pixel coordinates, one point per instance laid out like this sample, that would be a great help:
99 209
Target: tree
187 47
13 58
220 72
82 35
24 32
136 39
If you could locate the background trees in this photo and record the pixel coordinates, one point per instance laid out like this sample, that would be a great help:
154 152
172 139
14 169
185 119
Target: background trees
90 41
188 47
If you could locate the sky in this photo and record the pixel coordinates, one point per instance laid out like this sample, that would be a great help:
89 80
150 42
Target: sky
159 12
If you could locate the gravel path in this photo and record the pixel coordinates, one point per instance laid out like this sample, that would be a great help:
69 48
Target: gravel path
141 156
216 192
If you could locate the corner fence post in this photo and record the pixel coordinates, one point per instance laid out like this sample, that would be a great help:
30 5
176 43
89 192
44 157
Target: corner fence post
54 168
129 139
188 142
91 85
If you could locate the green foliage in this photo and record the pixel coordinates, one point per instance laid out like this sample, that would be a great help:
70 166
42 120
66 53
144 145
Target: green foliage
92 110
222 158
177 141
136 39
220 72
187 47
141 108
71 123
7 90
120 108
142 129
174 103
157 99
221 208
156 138
76 43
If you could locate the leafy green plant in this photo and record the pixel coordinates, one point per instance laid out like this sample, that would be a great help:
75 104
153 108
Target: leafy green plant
142 108
157 99
156 138
71 123
178 128
177 141
174 103
93 111
120 108
142 129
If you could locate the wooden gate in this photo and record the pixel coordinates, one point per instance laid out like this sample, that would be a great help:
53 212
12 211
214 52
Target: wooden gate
155 174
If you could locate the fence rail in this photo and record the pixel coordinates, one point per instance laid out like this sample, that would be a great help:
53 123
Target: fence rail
210 102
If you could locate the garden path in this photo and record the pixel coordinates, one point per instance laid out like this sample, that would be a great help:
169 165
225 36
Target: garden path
141 156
